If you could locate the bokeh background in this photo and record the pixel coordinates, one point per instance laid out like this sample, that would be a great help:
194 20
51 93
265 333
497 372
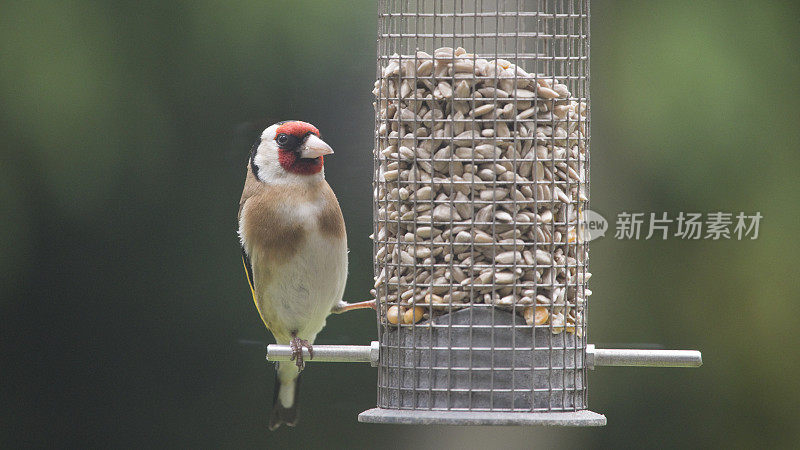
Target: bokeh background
125 127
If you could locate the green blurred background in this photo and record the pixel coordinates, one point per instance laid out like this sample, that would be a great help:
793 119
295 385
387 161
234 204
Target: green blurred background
125 128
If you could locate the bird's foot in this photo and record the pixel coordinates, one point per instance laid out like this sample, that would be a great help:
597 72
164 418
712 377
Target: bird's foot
297 345
344 306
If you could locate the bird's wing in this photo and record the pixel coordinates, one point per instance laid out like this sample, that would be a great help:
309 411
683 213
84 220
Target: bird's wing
248 270
250 189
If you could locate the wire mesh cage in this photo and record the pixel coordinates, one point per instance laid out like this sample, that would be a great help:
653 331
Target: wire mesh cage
481 176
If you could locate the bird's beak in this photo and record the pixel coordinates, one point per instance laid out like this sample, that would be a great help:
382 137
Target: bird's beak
315 147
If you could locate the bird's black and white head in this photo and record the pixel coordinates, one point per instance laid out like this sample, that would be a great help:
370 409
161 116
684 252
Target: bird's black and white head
289 151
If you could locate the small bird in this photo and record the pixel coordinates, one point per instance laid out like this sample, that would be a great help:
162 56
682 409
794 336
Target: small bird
294 247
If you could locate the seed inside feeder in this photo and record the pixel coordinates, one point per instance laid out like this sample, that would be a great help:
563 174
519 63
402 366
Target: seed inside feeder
482 167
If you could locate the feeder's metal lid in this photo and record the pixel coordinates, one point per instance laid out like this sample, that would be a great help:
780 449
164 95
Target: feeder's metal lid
584 418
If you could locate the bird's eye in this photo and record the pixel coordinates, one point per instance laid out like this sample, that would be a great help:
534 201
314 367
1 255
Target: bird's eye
282 139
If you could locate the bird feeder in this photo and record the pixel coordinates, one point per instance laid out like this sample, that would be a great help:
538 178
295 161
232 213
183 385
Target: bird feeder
481 181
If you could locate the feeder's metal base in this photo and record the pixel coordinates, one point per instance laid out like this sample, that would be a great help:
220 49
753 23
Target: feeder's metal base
480 359
583 418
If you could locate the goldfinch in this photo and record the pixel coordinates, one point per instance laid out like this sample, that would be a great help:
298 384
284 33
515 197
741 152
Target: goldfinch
294 247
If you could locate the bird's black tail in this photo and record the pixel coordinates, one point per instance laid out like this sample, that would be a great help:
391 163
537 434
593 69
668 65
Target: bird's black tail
281 415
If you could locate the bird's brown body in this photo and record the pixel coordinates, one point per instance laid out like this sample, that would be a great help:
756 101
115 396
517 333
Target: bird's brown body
275 242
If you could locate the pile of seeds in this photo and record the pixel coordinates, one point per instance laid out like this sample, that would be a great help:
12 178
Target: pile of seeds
481 184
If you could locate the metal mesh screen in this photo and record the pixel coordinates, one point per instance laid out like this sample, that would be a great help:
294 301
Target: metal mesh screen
481 179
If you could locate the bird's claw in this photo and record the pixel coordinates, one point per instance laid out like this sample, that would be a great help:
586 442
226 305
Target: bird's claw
297 345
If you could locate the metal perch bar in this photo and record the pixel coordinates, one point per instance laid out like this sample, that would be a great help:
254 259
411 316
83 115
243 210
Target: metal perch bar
594 356
328 353
641 358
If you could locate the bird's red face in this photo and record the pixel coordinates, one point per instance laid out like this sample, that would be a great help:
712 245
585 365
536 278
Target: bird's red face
300 150
287 150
